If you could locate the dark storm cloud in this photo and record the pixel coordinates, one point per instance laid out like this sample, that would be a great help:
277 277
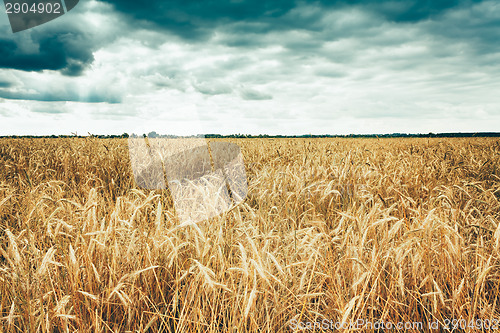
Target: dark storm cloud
5 84
65 44
479 26
251 94
49 110
60 96
196 19
66 50
325 71
404 10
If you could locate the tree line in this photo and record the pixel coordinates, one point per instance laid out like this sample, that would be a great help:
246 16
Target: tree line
239 136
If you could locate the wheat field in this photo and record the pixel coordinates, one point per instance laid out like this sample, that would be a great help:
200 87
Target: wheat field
332 230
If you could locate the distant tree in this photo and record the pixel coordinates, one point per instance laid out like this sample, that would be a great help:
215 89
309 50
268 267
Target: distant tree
153 134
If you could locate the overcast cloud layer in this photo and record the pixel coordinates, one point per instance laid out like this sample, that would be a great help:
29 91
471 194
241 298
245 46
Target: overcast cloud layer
276 67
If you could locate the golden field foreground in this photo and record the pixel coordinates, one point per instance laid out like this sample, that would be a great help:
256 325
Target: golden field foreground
332 230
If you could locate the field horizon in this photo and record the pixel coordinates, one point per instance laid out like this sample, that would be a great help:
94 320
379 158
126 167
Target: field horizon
153 134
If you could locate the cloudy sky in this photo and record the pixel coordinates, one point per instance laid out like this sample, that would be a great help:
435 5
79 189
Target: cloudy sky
241 66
